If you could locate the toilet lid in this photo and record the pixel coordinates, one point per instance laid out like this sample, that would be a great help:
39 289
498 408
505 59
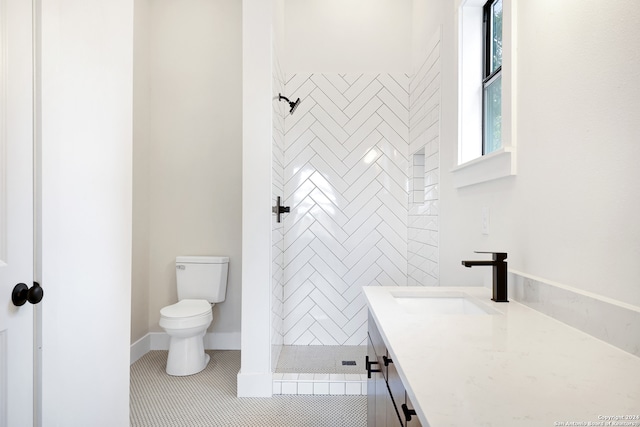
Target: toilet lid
186 308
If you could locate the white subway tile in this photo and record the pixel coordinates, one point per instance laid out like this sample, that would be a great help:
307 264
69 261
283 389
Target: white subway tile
337 388
320 388
305 388
289 387
353 388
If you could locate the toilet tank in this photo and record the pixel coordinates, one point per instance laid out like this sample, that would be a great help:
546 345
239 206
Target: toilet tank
202 277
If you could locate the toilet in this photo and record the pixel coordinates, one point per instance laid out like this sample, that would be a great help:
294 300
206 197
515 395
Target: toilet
202 282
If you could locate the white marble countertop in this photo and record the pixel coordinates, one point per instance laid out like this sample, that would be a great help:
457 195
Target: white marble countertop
516 367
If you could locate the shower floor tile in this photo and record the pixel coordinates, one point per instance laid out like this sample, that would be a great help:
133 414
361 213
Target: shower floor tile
325 359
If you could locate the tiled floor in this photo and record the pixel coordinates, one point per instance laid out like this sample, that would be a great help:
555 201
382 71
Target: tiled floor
321 359
209 399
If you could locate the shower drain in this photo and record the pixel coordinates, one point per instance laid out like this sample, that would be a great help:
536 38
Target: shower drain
348 363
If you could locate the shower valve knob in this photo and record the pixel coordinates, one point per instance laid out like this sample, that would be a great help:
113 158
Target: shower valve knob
278 209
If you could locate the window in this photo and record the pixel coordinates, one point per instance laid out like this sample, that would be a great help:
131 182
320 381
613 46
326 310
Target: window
487 37
492 77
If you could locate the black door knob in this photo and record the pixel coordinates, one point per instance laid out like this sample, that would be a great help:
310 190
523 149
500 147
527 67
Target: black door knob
21 294
35 294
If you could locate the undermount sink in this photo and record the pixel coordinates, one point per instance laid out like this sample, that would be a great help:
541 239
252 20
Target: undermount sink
451 303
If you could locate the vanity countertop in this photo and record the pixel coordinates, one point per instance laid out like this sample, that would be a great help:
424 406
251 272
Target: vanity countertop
515 367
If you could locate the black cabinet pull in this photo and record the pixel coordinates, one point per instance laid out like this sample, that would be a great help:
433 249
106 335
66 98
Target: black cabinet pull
387 360
368 364
407 412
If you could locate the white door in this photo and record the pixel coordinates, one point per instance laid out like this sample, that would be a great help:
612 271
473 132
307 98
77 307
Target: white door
16 211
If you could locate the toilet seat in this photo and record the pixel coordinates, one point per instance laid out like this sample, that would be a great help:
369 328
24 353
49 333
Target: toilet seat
186 308
188 313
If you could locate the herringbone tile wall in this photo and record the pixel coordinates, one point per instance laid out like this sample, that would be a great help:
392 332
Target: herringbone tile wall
424 136
346 178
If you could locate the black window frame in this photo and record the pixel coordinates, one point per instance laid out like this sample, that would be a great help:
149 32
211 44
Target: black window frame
488 76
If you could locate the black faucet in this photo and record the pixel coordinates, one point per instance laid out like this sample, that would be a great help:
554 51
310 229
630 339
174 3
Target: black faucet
499 273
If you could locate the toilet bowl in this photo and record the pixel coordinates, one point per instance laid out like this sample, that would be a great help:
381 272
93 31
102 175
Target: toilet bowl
186 323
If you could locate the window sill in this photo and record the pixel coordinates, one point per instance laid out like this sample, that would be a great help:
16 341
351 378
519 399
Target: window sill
499 164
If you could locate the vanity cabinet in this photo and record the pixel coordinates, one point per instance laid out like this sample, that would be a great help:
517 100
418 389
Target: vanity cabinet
380 405
387 402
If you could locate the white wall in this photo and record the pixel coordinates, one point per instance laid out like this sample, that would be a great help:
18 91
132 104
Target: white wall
191 195
348 36
427 16
141 175
86 69
570 213
254 378
279 111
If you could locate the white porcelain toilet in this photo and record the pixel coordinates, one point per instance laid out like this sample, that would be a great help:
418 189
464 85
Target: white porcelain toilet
202 282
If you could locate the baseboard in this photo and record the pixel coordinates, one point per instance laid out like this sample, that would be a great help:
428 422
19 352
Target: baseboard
160 341
140 348
255 385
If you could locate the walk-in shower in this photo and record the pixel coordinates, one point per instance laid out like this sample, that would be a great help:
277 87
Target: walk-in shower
358 165
343 162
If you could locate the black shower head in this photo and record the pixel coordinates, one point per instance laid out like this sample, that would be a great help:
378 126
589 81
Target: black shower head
292 105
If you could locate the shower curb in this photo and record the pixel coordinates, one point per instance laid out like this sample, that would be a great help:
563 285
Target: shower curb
319 384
